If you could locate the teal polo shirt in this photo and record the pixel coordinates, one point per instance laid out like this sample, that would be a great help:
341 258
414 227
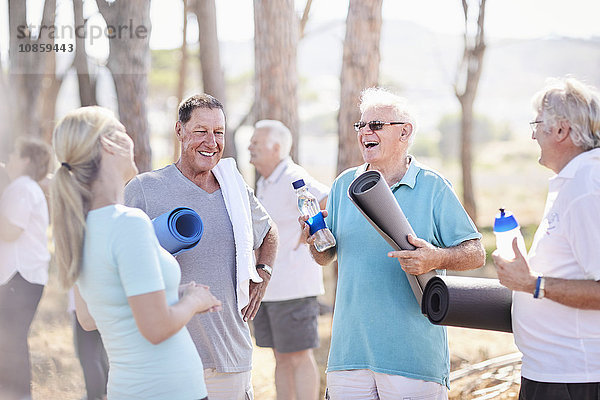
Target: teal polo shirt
377 323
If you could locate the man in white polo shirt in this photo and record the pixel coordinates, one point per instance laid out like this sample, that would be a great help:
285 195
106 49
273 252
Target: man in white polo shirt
556 301
287 318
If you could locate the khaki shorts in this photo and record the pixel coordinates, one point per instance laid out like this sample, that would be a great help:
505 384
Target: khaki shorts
228 386
363 384
288 326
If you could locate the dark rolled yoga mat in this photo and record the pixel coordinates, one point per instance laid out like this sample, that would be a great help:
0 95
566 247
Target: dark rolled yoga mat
477 303
370 193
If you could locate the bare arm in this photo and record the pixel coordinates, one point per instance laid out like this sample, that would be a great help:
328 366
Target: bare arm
265 254
8 231
267 251
83 315
517 275
583 294
157 321
4 179
426 257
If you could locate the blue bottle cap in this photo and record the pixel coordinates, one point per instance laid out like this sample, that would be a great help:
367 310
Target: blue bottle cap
298 184
505 221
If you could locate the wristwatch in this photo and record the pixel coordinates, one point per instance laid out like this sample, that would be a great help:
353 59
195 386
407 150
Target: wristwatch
265 268
540 288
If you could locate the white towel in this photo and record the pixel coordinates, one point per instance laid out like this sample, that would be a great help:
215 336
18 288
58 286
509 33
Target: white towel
235 194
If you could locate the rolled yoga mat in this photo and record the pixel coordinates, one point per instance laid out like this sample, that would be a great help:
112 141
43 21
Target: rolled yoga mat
178 230
372 196
476 303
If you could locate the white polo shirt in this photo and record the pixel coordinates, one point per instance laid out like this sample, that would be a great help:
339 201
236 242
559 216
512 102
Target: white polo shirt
295 273
561 343
23 204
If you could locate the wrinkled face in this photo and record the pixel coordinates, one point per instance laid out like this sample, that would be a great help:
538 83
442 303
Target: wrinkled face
261 148
385 145
542 134
202 139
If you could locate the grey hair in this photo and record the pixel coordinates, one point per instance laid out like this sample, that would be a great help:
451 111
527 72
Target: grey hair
376 97
278 133
568 99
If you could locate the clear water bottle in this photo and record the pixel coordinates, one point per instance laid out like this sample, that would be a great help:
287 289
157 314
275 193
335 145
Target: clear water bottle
308 205
506 228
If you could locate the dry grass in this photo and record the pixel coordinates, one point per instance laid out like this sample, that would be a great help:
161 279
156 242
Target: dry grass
57 374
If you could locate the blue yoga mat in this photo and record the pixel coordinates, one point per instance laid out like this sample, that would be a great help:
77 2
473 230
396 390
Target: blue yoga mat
178 230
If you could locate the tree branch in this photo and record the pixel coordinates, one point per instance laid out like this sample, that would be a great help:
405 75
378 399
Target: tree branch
304 18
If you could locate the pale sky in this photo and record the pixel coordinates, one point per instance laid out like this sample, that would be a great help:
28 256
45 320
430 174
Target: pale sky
504 18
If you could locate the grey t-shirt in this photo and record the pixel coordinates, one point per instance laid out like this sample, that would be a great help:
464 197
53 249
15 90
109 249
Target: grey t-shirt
222 338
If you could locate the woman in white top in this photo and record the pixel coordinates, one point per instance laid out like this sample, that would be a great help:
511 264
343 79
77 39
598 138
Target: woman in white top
24 259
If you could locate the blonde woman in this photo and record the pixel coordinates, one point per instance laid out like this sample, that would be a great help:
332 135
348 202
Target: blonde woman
126 285
24 260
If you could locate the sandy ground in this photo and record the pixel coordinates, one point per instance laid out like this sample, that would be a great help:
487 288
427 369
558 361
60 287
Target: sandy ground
57 374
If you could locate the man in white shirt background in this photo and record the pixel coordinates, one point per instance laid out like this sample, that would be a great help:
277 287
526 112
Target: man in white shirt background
556 300
287 318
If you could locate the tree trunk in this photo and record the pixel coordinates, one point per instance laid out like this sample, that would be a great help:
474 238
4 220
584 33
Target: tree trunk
276 78
6 128
87 90
465 89
182 78
304 19
48 94
129 63
360 70
213 78
466 156
27 68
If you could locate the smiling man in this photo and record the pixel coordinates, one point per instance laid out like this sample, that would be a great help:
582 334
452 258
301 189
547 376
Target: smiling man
556 287
235 224
382 347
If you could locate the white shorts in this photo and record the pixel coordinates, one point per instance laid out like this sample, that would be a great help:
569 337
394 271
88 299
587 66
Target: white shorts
364 384
228 386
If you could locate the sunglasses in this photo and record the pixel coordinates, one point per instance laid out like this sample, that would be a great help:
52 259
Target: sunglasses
374 125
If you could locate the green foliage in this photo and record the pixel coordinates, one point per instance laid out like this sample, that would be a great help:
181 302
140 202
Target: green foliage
164 74
319 124
484 131
489 240
426 145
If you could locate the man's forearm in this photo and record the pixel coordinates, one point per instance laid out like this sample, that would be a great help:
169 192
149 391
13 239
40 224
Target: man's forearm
582 294
468 255
324 257
267 251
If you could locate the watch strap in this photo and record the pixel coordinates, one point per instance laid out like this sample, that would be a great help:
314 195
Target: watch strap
540 288
265 268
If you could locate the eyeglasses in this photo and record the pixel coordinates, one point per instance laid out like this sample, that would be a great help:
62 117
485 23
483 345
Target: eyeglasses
534 125
374 125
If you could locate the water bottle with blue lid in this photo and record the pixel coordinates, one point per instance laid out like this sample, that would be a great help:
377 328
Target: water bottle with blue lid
308 205
506 228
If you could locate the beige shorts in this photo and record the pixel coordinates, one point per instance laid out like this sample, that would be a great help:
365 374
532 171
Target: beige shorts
364 384
228 385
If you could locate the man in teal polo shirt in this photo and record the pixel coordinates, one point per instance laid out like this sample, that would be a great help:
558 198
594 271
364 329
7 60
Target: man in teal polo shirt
382 347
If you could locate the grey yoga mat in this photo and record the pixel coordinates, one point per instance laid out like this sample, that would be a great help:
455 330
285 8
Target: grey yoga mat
476 303
467 302
372 196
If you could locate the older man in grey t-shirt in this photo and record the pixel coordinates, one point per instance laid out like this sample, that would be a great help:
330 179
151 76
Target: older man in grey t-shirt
223 338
